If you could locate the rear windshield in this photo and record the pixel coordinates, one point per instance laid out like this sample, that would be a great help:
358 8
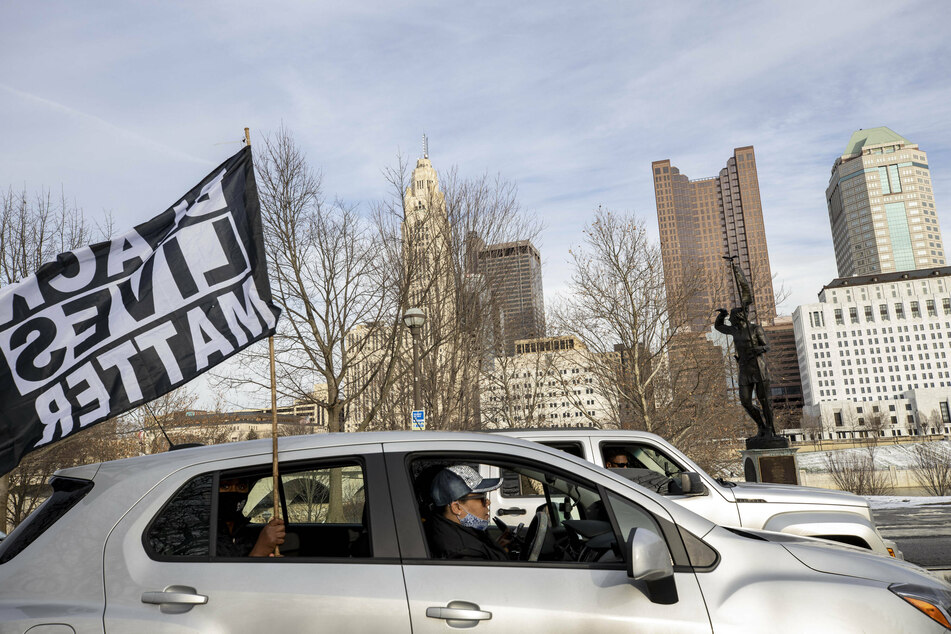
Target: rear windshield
67 492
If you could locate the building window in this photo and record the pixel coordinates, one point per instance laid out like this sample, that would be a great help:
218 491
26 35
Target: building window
839 321
899 311
883 311
932 309
915 310
838 419
854 315
869 317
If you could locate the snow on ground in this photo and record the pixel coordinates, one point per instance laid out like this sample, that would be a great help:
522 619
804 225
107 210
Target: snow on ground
904 501
886 456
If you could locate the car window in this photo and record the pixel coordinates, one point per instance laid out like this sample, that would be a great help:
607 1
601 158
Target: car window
641 456
67 492
183 528
515 485
324 507
580 528
630 516
574 448
307 496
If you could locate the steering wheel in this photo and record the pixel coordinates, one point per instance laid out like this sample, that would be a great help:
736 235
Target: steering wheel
535 537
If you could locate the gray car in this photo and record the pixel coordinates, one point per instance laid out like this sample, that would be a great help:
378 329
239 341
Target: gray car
157 544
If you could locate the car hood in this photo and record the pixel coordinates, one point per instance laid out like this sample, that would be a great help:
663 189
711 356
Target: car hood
787 494
849 561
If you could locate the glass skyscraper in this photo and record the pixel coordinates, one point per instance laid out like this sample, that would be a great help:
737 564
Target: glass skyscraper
881 206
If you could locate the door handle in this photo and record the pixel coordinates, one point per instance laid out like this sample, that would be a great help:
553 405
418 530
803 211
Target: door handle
175 599
512 511
459 614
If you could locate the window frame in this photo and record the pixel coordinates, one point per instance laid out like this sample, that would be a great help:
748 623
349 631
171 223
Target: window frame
380 526
413 543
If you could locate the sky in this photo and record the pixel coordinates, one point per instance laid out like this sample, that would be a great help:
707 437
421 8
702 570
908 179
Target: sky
124 107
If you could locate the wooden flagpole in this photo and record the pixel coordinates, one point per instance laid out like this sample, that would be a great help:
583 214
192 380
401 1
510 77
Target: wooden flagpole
274 470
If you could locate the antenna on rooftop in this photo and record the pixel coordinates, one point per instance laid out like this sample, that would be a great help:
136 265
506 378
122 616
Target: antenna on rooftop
425 146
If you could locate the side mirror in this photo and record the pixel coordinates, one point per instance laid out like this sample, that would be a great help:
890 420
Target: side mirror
687 483
648 561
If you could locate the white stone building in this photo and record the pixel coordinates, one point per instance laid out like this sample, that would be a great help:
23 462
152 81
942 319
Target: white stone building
873 355
548 382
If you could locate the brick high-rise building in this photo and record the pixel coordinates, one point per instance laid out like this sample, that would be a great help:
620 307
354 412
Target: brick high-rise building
700 222
881 206
783 362
513 271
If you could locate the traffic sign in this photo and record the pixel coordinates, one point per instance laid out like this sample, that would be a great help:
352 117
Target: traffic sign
419 419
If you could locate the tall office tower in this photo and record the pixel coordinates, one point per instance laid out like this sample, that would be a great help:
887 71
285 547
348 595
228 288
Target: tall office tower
513 271
700 222
881 206
427 249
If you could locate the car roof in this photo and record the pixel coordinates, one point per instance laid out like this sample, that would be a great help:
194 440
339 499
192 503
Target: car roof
580 432
173 460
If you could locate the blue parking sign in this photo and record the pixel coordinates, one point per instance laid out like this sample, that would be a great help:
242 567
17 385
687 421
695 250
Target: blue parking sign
419 419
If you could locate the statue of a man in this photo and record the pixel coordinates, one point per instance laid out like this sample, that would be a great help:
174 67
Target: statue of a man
750 343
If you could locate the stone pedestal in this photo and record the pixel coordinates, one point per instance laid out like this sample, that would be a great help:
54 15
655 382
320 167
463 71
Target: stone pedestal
771 465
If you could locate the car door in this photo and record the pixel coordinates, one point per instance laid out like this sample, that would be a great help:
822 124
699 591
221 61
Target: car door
548 595
339 569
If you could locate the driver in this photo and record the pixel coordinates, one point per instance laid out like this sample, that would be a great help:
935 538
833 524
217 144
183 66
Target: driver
457 530
615 458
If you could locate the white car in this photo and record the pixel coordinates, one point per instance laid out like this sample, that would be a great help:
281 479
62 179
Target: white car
834 515
152 544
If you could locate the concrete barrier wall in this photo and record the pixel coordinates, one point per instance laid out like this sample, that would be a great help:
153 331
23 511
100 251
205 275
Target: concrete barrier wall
901 481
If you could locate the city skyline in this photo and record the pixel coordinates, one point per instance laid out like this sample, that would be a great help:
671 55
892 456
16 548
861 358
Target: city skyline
104 105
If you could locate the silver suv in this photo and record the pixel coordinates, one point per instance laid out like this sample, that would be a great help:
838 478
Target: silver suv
655 463
153 544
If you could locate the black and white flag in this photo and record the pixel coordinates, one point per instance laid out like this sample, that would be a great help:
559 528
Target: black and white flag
110 326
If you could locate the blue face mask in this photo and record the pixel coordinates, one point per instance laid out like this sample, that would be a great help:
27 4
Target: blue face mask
471 521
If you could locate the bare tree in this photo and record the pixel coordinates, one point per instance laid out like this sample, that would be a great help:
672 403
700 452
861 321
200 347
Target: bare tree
170 420
663 377
854 470
932 467
29 481
436 231
875 423
329 275
514 389
811 425
552 373
34 229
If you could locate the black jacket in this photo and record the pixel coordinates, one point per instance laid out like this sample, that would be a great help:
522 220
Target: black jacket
448 540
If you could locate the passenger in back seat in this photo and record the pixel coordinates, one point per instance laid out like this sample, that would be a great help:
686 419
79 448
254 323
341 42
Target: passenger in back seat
232 541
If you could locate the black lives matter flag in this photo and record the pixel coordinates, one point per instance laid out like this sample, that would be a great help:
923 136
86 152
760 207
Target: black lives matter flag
113 325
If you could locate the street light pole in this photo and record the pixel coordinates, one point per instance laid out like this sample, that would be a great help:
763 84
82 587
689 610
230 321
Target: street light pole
414 318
